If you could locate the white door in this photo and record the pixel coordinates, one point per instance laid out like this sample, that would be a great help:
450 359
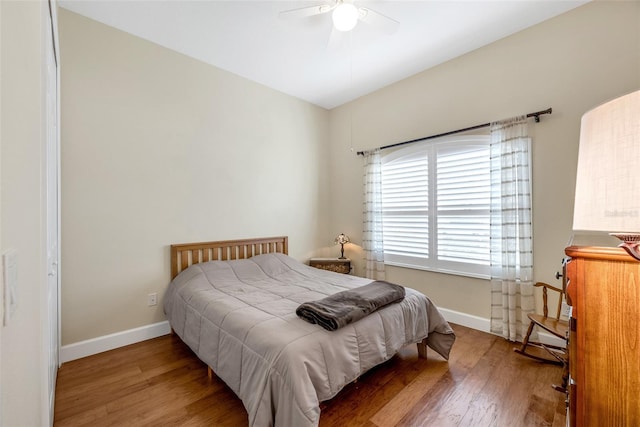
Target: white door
51 330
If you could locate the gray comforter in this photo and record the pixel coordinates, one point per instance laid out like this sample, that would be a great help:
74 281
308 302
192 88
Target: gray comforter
239 318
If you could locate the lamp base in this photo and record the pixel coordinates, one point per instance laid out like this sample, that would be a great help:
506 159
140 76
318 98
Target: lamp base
630 243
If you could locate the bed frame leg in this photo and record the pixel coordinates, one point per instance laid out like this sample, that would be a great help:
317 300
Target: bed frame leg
210 373
422 349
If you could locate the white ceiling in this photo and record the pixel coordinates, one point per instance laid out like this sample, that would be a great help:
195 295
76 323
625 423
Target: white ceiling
294 56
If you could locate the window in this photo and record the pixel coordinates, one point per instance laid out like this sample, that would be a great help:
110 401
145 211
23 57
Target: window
435 204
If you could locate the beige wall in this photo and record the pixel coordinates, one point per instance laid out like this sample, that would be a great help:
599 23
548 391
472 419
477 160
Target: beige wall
158 148
23 367
570 63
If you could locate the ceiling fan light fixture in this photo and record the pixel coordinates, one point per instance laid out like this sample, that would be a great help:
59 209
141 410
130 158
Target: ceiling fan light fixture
345 16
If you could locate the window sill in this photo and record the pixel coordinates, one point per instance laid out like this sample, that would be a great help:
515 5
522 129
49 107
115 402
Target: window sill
439 270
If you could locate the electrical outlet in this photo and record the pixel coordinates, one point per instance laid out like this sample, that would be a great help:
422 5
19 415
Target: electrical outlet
565 311
152 299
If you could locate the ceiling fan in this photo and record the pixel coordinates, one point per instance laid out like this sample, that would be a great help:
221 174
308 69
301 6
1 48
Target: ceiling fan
346 15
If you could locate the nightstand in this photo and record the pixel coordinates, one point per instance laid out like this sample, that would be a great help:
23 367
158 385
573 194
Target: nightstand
332 264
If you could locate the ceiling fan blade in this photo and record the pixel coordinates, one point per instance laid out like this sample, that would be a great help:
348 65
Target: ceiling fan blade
304 12
378 20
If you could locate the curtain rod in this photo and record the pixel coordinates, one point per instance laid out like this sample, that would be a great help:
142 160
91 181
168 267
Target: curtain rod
537 115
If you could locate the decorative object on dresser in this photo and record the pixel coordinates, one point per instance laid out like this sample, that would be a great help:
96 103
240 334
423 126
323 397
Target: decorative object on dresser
341 240
607 183
603 287
338 265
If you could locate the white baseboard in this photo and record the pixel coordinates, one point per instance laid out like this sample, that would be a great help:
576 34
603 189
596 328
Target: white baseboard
109 342
484 325
464 319
120 339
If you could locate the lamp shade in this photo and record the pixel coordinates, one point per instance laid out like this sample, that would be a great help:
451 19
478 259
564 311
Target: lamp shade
607 183
342 239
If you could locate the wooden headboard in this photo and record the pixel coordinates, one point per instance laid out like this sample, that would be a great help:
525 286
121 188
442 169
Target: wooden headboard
185 254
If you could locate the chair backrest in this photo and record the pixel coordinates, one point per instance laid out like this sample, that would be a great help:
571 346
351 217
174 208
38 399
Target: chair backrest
561 291
545 298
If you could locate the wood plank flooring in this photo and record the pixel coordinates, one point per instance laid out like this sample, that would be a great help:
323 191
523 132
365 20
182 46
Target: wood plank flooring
160 382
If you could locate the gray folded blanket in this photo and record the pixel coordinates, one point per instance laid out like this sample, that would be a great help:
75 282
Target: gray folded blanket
342 308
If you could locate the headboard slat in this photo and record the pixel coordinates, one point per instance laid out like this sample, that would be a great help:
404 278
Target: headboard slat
186 254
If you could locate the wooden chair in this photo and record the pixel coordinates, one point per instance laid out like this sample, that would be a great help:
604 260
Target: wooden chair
554 325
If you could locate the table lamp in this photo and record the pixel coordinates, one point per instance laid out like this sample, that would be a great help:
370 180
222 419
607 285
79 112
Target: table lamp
607 183
342 239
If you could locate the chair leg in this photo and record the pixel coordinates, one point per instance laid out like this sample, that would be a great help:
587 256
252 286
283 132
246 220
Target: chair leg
565 379
526 342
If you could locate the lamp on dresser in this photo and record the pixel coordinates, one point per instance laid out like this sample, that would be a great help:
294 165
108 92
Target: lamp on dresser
603 283
608 183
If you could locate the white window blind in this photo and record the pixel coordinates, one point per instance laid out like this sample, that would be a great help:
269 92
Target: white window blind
435 200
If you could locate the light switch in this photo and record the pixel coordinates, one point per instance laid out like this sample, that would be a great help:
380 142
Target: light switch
10 265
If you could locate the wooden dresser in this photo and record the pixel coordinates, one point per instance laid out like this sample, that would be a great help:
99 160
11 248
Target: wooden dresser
604 340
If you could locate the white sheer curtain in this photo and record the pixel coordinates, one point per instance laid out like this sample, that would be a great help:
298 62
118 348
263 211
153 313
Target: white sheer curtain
372 216
511 230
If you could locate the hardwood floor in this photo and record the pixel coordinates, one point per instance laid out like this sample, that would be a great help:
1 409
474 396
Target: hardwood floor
161 383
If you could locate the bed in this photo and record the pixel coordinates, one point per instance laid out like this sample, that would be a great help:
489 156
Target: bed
233 303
